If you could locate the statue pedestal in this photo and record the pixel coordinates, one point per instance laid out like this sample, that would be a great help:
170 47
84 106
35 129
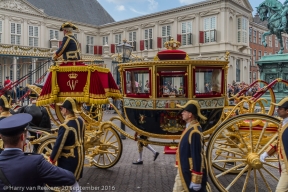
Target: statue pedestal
272 67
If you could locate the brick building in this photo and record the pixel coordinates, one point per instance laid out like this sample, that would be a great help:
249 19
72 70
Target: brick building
256 29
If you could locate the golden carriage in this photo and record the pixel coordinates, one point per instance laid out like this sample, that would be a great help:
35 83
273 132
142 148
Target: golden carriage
235 135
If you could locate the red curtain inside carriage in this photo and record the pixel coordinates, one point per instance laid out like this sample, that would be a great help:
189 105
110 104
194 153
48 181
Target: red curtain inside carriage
85 83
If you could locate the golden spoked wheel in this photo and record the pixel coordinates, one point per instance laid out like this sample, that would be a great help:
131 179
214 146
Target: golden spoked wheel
233 154
109 150
46 148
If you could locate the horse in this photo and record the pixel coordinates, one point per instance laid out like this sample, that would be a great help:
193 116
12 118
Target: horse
40 121
274 18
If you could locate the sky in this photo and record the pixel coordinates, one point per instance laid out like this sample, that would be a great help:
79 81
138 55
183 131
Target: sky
126 9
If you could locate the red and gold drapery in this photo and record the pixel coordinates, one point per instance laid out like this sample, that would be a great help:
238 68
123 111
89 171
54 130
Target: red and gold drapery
85 83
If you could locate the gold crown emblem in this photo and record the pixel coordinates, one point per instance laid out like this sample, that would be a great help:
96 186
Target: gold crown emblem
72 75
172 45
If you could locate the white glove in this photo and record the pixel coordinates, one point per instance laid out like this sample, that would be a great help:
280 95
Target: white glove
195 186
263 156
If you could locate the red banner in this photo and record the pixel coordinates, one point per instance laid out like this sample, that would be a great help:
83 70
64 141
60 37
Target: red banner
71 81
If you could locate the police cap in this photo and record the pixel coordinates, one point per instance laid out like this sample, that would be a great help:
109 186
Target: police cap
15 124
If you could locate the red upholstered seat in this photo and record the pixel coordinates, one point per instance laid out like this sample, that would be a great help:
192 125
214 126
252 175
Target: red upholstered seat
172 55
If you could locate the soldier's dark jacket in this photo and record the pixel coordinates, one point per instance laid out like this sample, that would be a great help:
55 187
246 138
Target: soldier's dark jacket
190 157
69 148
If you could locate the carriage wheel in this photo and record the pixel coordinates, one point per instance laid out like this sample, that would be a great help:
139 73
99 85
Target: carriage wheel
233 154
46 148
109 149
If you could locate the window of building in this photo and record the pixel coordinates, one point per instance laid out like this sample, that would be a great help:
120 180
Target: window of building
186 31
254 37
270 41
90 45
242 29
105 40
15 33
148 43
166 34
210 29
76 35
254 75
276 42
1 31
238 70
287 43
250 77
259 37
118 39
250 34
254 57
137 81
33 36
265 53
132 39
259 55
54 34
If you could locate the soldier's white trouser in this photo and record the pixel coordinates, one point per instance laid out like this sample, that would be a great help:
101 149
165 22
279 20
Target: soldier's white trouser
282 184
178 187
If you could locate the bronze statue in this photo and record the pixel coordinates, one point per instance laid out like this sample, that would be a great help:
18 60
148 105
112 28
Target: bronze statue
276 14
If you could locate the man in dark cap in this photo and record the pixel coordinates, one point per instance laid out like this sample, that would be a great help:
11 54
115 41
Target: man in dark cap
70 48
191 175
69 147
280 145
14 174
5 105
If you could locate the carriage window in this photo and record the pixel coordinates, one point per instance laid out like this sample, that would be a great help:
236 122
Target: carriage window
172 82
208 82
137 82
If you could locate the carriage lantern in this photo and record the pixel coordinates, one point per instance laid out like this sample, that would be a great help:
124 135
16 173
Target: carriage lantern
125 49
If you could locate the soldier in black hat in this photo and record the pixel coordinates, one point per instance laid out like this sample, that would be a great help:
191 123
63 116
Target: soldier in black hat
69 147
70 48
191 175
14 174
5 105
280 145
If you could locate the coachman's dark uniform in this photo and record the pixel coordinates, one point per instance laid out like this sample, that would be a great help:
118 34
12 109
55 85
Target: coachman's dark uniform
70 47
69 147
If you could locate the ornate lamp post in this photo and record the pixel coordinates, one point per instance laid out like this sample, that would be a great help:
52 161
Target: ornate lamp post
125 50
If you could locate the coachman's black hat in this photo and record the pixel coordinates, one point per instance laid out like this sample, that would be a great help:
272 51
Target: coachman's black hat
68 25
283 103
15 124
193 107
70 104
5 101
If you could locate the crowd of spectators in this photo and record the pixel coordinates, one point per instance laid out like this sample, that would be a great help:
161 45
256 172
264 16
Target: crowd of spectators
235 88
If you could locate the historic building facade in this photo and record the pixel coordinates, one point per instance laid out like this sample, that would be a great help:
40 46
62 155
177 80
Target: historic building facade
256 29
29 33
